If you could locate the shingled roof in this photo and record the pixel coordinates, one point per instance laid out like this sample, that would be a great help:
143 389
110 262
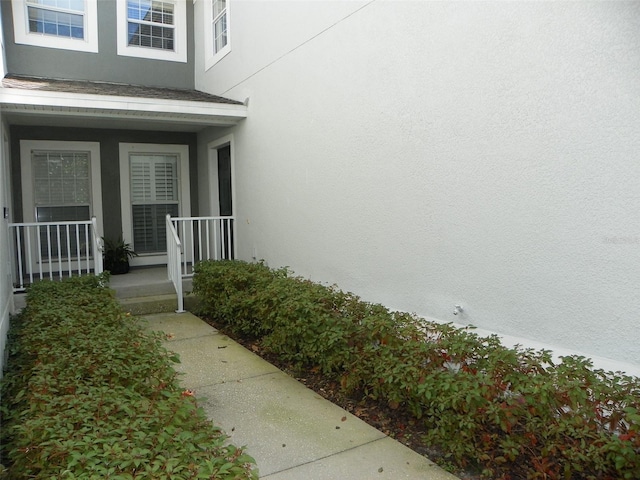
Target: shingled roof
110 89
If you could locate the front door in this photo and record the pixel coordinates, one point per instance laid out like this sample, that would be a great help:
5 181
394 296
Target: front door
154 194
154 182
60 182
225 200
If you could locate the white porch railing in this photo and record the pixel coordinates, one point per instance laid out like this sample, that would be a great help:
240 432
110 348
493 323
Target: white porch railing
193 239
54 250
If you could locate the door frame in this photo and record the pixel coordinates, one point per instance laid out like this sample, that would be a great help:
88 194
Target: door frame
26 174
28 184
214 194
184 192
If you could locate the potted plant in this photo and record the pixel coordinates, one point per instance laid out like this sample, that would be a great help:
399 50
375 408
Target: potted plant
116 256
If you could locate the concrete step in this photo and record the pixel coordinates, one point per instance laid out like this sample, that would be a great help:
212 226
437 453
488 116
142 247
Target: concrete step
132 290
150 304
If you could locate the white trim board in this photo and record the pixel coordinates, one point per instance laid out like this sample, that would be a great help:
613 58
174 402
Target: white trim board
24 37
88 105
184 194
26 175
178 54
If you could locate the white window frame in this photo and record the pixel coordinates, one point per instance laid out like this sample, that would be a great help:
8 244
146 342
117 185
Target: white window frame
212 57
184 192
23 36
179 53
28 200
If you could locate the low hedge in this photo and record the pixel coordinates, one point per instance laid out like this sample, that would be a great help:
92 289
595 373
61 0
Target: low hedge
88 394
510 412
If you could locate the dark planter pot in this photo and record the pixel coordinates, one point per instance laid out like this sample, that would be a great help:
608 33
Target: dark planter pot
118 268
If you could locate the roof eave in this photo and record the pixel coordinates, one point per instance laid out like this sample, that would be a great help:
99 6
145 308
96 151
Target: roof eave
108 106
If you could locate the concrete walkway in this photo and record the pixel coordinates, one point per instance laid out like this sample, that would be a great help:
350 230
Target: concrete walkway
292 432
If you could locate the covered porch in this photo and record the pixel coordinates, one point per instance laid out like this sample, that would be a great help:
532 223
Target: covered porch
89 161
58 250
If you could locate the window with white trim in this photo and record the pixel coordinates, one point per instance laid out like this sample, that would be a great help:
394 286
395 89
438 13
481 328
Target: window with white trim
62 188
152 29
154 194
154 182
63 24
219 25
216 31
60 182
62 185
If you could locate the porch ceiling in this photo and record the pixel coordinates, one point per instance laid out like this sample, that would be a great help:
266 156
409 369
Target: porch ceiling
71 103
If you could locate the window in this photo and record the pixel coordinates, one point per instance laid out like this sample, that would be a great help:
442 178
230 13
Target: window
64 24
154 182
60 182
219 26
216 30
62 188
62 185
152 29
60 18
150 24
154 194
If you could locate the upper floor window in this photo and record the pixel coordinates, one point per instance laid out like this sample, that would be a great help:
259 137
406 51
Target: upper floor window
64 24
216 30
152 29
219 25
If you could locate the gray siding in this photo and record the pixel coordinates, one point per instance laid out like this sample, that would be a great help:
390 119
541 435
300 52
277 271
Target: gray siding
103 66
109 168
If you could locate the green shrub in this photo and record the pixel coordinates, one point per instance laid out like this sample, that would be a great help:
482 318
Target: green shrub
89 394
500 409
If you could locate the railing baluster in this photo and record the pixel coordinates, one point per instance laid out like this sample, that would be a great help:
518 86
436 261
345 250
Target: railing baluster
35 257
191 242
19 248
228 230
29 264
206 223
185 247
216 223
88 249
48 255
78 254
59 251
68 250
39 254
199 242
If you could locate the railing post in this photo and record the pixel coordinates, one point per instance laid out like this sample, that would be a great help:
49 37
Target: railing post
174 271
98 247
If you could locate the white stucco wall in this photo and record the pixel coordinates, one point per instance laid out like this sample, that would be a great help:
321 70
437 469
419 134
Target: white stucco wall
6 290
428 154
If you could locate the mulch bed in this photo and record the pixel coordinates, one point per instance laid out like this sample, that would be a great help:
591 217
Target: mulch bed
395 423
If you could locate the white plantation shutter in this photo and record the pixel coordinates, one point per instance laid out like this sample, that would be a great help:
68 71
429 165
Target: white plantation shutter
154 193
140 181
62 191
62 185
166 181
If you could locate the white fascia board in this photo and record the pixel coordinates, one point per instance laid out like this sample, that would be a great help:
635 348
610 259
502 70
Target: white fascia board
137 105
169 118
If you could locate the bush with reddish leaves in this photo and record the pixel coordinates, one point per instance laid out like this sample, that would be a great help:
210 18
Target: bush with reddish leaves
510 413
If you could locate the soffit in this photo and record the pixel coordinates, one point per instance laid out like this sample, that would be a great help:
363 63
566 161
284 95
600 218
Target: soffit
42 101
